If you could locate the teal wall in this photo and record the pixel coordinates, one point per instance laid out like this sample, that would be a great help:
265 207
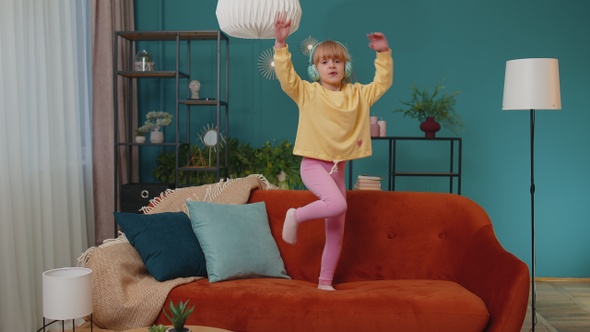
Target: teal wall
467 42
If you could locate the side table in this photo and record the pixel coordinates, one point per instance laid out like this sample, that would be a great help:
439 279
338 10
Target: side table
454 170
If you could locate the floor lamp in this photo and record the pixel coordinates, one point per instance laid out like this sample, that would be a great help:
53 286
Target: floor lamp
532 84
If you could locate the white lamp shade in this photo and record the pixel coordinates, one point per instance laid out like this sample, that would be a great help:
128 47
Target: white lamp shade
532 84
255 19
67 293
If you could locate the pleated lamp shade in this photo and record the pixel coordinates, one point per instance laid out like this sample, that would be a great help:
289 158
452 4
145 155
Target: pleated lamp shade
67 293
254 19
532 84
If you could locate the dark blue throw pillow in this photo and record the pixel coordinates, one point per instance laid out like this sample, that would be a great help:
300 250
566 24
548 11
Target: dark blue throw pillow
166 243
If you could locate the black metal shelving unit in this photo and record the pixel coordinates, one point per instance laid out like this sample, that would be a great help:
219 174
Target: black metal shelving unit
181 74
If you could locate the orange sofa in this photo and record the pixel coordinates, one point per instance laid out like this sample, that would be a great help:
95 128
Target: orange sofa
410 262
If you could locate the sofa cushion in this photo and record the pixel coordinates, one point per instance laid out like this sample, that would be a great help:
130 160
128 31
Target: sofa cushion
236 240
296 305
165 242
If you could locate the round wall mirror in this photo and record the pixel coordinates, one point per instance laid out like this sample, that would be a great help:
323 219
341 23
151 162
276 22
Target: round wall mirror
210 138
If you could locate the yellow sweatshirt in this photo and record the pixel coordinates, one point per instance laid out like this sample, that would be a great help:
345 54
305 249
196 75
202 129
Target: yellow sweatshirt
333 125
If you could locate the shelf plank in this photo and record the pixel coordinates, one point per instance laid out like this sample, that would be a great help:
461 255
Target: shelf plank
426 174
200 168
123 144
151 74
171 35
209 102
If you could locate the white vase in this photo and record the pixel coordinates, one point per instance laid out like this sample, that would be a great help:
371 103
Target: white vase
156 137
140 139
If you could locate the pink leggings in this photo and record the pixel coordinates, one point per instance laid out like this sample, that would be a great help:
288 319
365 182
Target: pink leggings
331 191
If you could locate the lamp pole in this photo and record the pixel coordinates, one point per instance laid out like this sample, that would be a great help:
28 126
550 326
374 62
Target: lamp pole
533 258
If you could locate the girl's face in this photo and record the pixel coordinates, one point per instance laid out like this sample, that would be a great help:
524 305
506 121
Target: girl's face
331 72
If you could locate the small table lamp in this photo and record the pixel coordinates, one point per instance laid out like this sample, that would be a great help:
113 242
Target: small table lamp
67 294
532 84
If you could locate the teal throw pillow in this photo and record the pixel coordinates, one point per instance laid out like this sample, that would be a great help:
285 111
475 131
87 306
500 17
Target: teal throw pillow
166 243
236 240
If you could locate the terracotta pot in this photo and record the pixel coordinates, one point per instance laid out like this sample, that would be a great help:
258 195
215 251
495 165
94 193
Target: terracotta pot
430 127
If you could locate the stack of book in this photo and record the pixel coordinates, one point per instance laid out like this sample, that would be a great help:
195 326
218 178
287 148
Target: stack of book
367 182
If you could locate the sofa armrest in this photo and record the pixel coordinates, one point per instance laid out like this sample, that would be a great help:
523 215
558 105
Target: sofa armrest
499 278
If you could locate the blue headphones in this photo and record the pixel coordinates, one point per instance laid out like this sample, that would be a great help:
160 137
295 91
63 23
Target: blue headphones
312 71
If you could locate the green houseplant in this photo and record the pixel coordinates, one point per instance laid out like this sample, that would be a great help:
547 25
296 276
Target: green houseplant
273 160
269 160
178 315
436 105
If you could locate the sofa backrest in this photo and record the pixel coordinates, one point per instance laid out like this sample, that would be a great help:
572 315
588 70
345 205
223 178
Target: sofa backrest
388 235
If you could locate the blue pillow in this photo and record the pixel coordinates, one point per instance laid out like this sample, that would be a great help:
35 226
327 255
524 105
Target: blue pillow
236 240
165 242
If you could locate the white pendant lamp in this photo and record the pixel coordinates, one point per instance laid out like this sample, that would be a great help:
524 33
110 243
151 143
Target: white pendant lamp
254 19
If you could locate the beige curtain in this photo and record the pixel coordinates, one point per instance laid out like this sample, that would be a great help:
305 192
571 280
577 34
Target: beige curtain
44 150
108 16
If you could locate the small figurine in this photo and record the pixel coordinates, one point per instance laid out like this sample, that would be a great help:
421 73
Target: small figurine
195 87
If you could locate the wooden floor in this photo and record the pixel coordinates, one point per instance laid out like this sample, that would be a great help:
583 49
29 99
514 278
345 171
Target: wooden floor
563 305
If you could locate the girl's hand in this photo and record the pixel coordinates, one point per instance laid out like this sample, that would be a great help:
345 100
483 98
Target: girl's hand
282 28
378 42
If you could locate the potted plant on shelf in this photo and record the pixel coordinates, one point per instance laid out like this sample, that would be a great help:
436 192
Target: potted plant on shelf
139 135
433 109
178 315
153 123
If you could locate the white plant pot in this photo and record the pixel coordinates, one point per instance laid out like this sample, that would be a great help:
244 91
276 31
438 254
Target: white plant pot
156 137
140 139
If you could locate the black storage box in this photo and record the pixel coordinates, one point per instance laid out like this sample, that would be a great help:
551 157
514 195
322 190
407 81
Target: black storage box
134 196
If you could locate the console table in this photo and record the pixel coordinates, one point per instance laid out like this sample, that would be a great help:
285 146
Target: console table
454 170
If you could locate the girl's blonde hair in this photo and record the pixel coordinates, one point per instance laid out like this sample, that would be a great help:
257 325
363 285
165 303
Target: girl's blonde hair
331 50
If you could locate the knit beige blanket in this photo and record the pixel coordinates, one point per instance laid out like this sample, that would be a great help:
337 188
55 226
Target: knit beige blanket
125 295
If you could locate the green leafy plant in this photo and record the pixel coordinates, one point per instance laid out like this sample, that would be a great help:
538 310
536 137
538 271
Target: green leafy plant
164 171
139 132
178 315
437 104
268 160
157 328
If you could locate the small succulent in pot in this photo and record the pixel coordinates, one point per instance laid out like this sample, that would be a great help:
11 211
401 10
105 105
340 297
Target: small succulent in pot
157 328
178 315
139 132
140 135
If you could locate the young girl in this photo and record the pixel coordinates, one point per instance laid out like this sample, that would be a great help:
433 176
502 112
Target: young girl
333 128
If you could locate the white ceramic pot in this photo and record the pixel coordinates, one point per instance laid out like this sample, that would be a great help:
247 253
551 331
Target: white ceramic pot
156 137
140 139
